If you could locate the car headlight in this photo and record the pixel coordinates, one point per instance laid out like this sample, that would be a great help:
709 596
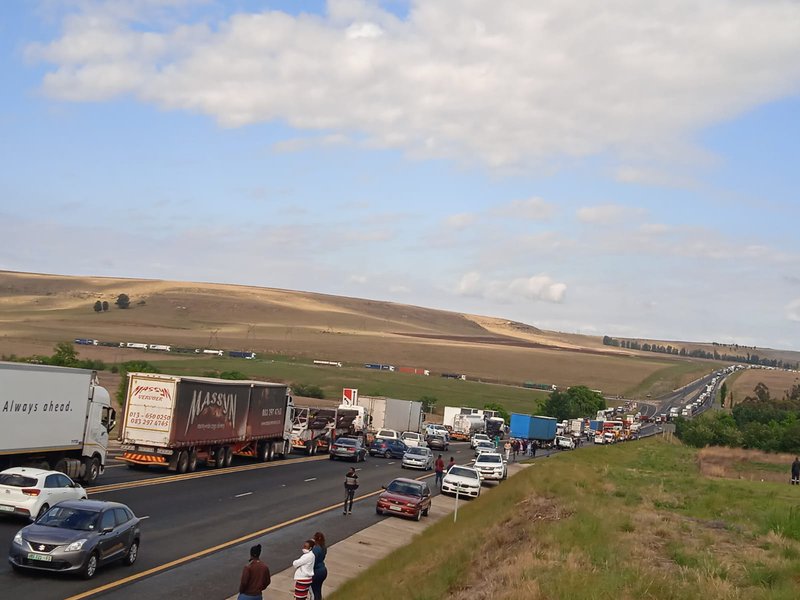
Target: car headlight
18 538
76 545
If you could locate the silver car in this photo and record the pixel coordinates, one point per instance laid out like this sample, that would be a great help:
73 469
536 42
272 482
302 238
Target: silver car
418 457
77 536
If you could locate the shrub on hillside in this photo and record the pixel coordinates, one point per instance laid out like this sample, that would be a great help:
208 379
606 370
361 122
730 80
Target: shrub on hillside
307 391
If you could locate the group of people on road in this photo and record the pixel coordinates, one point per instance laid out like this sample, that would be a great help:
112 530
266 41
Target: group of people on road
309 575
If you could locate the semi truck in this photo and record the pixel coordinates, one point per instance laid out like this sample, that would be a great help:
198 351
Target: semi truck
315 429
530 427
179 422
54 418
386 413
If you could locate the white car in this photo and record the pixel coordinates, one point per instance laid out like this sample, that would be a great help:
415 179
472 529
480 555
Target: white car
484 446
565 443
418 457
491 466
412 439
387 434
478 437
30 492
464 480
599 439
439 430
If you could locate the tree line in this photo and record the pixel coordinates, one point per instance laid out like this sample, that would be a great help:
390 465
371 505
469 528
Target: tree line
760 421
576 402
751 359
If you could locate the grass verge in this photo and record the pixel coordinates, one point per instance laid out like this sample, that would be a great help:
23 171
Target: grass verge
629 521
674 375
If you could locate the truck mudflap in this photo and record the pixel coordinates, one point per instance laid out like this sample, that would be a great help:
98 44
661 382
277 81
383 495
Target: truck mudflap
137 458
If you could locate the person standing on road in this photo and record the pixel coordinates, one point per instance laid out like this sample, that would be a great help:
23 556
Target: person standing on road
255 576
451 464
515 448
304 571
533 449
796 471
319 550
439 469
350 487
507 448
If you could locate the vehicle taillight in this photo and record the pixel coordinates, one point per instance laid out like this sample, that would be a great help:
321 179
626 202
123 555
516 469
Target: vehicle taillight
351 449
31 491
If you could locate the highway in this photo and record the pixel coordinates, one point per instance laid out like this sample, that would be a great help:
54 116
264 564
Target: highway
197 527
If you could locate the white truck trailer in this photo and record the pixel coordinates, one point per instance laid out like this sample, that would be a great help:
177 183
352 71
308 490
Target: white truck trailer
388 413
54 418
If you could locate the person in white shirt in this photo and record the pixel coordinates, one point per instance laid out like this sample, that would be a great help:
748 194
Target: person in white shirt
304 571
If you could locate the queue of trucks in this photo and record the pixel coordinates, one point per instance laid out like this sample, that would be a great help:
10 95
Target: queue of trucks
463 422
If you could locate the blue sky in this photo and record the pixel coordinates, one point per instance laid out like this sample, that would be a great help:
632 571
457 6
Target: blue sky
630 172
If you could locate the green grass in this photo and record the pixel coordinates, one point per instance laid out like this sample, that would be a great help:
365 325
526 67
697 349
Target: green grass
674 375
566 528
448 392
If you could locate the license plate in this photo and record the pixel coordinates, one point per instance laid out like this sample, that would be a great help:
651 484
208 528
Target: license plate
5 508
44 557
395 508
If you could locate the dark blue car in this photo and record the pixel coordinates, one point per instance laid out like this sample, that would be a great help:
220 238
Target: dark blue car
387 448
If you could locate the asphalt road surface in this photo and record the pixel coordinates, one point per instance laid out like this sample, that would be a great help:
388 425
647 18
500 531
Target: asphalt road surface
198 527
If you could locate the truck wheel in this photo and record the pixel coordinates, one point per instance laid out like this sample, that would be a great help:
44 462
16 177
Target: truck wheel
228 456
219 457
192 466
92 470
61 466
270 452
183 462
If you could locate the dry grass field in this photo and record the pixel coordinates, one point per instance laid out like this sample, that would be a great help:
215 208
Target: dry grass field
738 463
38 310
778 382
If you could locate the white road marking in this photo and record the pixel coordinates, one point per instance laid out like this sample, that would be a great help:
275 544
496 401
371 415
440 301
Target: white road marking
390 462
243 495
310 479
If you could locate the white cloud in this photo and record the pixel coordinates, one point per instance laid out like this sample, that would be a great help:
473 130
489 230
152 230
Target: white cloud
649 176
532 209
606 214
460 221
503 83
359 279
535 288
399 289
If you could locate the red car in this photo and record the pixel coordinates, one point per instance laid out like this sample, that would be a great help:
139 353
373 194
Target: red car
405 497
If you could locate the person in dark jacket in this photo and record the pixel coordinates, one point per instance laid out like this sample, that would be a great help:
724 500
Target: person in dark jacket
255 576
350 487
320 550
796 471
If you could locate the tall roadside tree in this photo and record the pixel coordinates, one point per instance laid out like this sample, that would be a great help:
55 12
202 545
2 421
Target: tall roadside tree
98 306
574 403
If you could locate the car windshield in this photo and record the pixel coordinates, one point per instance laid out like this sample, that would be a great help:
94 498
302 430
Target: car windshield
16 480
70 518
462 472
420 451
346 442
402 487
490 458
485 445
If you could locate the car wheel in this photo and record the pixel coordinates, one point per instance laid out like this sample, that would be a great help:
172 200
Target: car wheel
426 511
45 507
387 454
133 553
418 516
89 567
378 511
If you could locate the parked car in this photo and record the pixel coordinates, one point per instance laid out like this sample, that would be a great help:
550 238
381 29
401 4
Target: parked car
437 429
465 480
437 441
484 447
349 448
405 497
565 442
609 438
478 437
418 457
77 536
387 448
412 438
30 492
387 434
491 466
599 438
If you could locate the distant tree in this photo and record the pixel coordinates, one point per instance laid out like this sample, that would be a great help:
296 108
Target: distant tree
132 366
105 305
123 301
64 355
500 410
576 402
98 306
428 403
723 392
307 391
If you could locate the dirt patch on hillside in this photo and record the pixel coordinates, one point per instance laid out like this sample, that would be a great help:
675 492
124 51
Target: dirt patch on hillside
501 341
738 463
